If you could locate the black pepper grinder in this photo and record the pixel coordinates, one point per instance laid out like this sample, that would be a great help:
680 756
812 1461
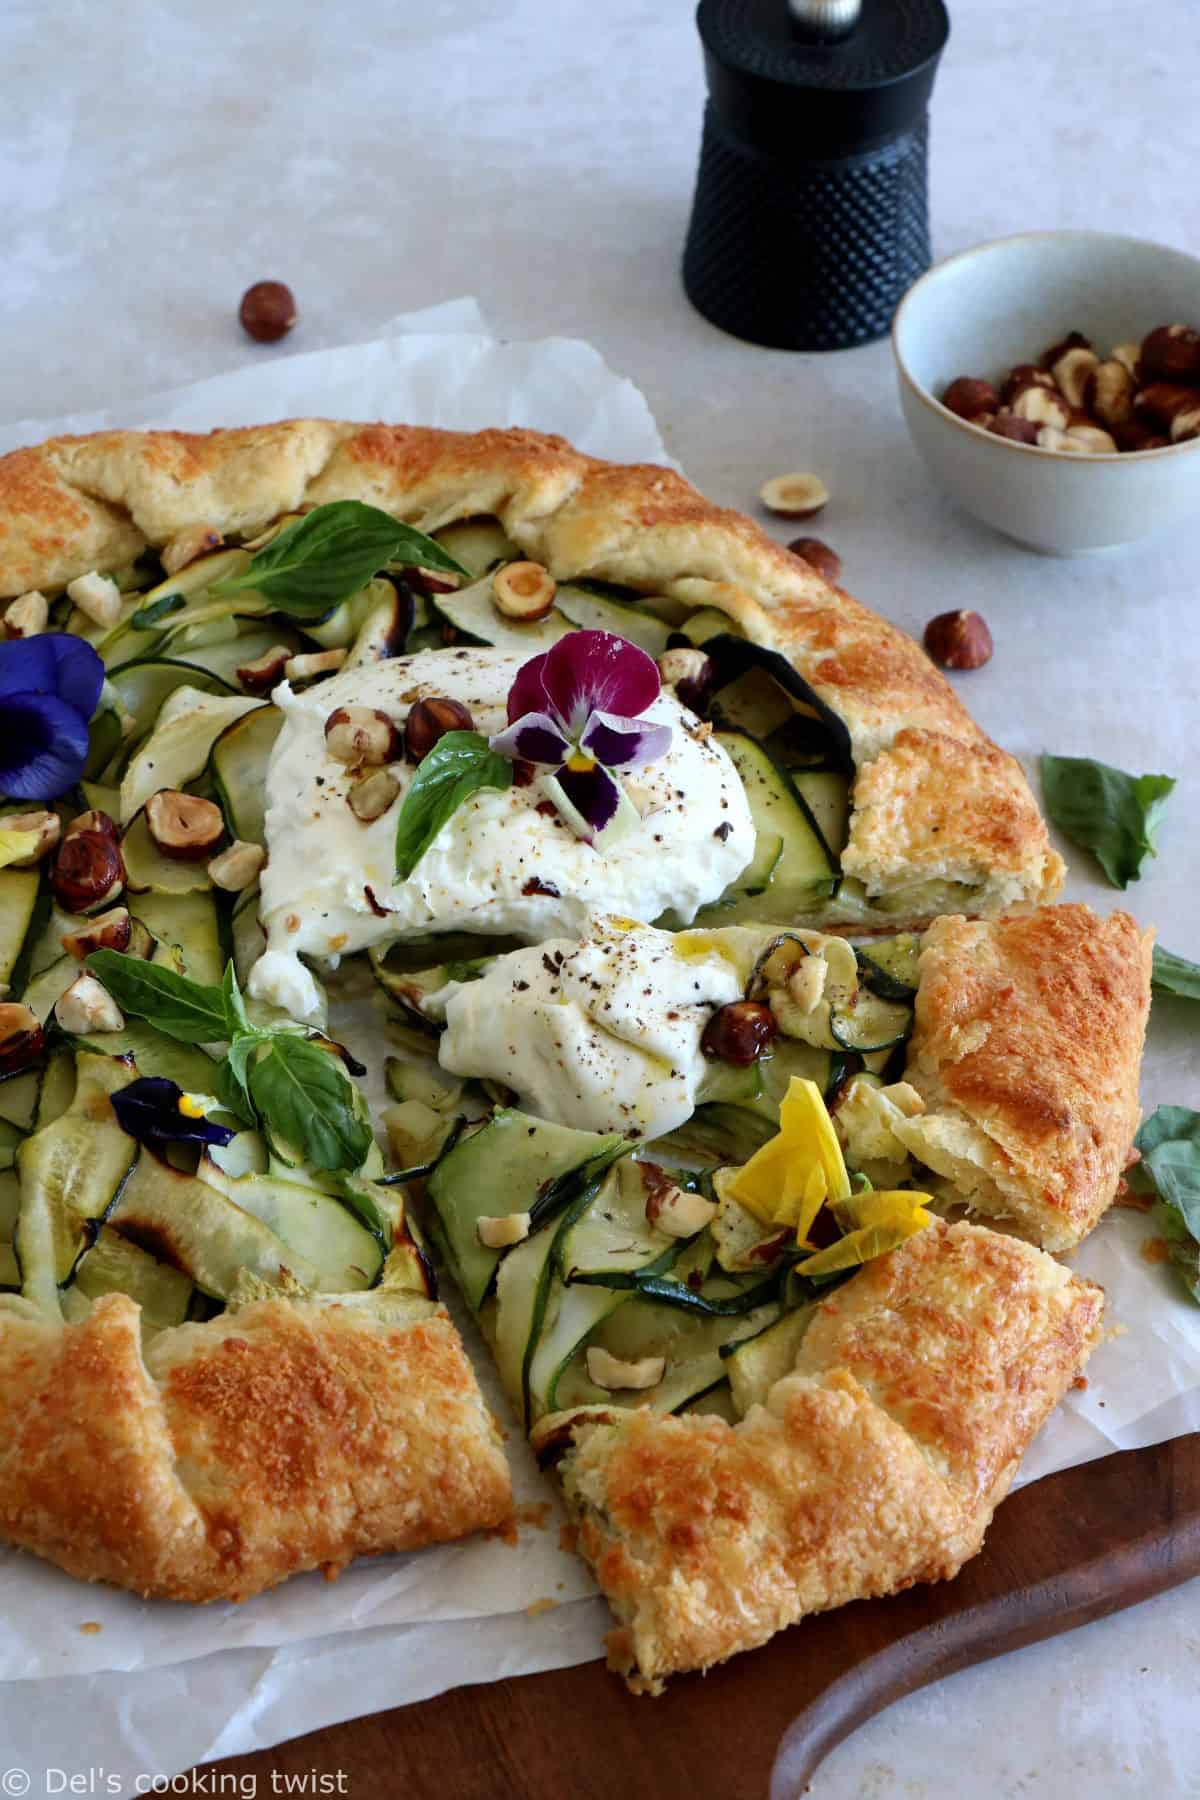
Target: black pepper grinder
811 215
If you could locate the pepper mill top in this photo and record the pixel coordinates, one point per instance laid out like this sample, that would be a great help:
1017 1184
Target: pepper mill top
829 75
811 211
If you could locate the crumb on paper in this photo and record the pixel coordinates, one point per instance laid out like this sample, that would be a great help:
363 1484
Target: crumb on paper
545 1604
1156 1250
1114 1332
535 1513
91 1627
505 1532
1080 1382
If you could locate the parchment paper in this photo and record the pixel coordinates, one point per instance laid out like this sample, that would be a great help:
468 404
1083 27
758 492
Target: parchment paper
158 1687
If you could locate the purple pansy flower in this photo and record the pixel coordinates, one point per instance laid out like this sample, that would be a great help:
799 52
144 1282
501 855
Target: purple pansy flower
49 686
157 1111
577 712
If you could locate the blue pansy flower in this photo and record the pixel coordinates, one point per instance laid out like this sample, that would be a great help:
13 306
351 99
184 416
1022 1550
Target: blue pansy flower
157 1111
49 686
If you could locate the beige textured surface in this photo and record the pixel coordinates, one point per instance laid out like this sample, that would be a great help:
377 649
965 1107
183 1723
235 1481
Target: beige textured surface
877 1463
74 504
277 1438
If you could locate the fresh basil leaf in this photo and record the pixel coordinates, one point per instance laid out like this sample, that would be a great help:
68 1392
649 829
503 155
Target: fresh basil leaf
305 1094
176 1006
1106 811
1169 1141
1182 1248
232 1084
231 993
146 617
329 554
1173 974
457 767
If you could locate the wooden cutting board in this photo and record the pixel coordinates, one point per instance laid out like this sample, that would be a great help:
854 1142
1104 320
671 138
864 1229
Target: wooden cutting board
1066 1550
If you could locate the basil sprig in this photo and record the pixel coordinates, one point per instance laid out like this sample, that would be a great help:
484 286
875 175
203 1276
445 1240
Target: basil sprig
1169 1141
147 617
329 554
457 767
1106 811
270 1073
1173 974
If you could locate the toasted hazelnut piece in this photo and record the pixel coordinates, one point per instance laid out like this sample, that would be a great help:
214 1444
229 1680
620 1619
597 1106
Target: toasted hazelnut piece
88 872
266 671
1171 353
799 495
1109 393
1023 375
1051 438
429 721
184 826
806 983
497 1232
969 397
358 735
21 1037
1130 357
107 931
959 640
27 616
610 1372
739 1033
88 1006
238 867
187 545
1094 439
523 591
672 1209
432 581
314 663
819 556
1017 431
1138 436
48 827
1042 406
1074 340
370 798
690 673
95 820
1175 409
96 596
1071 371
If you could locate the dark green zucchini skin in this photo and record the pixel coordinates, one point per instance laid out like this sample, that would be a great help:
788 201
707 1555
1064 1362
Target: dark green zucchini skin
733 656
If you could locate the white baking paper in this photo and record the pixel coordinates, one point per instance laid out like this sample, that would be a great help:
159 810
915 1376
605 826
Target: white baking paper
222 1679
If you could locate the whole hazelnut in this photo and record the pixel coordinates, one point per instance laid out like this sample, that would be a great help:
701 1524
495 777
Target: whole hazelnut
1171 353
1109 393
1136 436
968 397
819 556
22 1039
267 311
959 640
739 1033
1042 406
428 723
1072 371
690 673
1017 431
88 872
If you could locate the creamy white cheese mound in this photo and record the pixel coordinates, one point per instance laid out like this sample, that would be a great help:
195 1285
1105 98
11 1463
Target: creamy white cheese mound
602 1033
505 863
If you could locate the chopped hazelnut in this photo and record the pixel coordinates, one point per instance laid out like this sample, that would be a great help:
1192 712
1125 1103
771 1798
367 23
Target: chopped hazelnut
314 663
107 931
184 826
610 1372
265 671
371 797
358 735
88 1006
28 616
799 495
498 1232
523 591
97 597
237 867
22 1039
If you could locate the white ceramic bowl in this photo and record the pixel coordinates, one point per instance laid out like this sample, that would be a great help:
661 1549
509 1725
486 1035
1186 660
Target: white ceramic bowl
1001 304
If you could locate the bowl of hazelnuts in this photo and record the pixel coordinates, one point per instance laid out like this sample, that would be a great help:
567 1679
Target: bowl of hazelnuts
1051 382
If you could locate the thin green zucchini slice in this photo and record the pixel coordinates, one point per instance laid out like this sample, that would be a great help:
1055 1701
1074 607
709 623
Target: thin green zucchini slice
592 611
324 1231
890 967
238 769
478 544
114 1265
18 916
473 613
803 873
72 1172
147 870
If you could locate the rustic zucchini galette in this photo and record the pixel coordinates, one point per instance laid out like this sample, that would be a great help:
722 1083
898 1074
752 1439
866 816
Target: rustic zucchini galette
709 942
